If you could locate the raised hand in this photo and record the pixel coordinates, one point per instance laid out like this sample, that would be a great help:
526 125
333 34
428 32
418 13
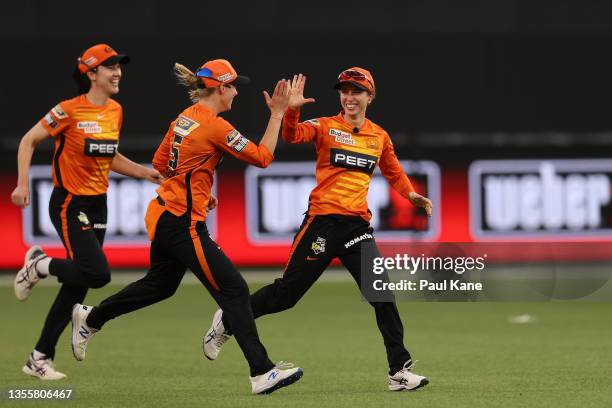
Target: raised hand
296 94
279 101
419 201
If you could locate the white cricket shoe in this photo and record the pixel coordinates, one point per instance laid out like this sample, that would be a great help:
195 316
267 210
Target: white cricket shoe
215 337
27 276
43 369
282 375
405 379
81 332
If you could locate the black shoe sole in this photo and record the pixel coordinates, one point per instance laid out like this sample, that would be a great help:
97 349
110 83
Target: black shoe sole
283 383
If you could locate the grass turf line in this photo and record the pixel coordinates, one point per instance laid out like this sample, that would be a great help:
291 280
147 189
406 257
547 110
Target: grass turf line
472 355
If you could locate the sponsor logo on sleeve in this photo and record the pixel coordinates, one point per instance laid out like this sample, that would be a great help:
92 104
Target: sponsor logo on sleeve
90 127
185 126
314 122
50 121
342 137
236 141
58 112
353 160
101 147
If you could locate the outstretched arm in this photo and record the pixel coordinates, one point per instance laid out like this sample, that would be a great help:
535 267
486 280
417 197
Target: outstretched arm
125 166
293 131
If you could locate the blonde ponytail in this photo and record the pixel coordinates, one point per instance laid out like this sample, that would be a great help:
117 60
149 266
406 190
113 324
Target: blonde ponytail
187 78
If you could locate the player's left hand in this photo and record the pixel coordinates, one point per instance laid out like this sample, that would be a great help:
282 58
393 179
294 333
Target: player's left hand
212 203
153 176
419 201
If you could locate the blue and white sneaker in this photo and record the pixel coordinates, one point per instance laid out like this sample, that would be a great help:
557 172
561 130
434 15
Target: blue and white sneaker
405 379
215 337
282 375
81 332
27 276
43 369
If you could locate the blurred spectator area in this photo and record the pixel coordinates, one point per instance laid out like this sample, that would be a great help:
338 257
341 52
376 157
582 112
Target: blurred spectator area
504 78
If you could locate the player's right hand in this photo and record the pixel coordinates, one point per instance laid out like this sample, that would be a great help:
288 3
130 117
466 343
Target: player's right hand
279 100
296 93
21 196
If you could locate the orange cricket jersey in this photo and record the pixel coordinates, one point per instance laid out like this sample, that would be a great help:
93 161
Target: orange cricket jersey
345 162
86 140
189 154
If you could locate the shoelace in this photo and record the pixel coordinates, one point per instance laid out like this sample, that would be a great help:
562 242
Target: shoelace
283 365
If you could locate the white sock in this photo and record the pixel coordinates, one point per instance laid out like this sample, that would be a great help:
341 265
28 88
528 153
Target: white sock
37 355
42 266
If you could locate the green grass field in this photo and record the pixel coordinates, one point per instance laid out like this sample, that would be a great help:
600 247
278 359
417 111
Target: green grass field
473 356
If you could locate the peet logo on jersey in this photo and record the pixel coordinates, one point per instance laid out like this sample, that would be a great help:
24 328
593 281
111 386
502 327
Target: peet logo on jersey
101 147
540 198
352 160
342 137
184 126
89 127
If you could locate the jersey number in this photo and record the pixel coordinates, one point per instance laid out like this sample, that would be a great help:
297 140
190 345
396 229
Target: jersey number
173 162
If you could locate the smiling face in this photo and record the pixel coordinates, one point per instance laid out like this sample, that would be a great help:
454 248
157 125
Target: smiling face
354 100
106 78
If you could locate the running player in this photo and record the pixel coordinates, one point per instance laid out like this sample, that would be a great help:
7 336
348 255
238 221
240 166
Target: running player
188 156
86 131
349 146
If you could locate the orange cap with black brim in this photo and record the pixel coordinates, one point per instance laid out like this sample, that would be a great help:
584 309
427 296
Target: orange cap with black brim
220 71
100 54
359 77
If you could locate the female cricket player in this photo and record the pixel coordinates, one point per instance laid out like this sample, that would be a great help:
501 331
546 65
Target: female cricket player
86 131
349 147
188 156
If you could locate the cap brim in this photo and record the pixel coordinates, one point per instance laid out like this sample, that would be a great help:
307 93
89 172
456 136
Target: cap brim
241 80
357 84
116 59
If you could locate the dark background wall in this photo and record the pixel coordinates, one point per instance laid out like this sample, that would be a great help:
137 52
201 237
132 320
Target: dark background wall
527 77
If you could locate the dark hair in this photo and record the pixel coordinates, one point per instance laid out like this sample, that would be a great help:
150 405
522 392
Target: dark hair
82 82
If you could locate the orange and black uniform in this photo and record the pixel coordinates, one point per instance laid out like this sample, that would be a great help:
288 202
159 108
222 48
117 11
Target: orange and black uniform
188 156
86 140
337 221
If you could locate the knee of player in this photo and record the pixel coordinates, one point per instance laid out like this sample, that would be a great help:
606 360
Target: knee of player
100 277
167 291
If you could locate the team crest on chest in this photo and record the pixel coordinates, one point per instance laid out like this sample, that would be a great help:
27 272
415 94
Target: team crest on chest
372 143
